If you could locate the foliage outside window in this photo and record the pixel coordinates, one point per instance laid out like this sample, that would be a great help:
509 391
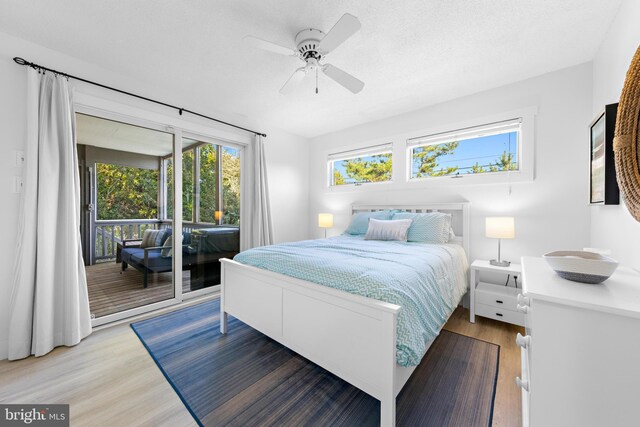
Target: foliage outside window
231 186
203 208
372 164
479 150
126 192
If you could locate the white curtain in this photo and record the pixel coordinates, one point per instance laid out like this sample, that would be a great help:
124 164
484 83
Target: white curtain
255 224
49 303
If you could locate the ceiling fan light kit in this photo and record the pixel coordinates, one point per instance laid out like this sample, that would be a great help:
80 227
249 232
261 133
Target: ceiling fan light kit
312 46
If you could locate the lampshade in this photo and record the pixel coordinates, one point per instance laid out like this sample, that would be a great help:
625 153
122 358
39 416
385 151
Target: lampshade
217 215
500 227
325 220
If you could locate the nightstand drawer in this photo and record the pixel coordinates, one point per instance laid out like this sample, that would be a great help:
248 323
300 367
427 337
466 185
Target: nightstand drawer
500 314
502 297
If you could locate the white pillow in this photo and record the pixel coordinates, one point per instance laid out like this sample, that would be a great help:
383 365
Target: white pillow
388 229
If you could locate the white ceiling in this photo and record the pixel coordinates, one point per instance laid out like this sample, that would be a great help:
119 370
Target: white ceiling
124 137
409 53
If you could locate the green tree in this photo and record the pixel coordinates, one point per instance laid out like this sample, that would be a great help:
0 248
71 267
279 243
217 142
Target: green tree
427 159
126 192
477 169
231 186
505 163
208 182
374 168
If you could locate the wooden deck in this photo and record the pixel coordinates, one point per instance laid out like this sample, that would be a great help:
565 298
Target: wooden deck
111 291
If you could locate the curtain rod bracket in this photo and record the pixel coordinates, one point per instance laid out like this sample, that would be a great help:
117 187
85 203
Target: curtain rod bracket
180 110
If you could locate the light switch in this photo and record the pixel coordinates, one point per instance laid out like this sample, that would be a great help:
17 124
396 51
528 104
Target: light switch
17 184
19 158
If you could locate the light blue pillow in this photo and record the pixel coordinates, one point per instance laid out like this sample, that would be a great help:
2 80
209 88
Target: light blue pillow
431 227
360 221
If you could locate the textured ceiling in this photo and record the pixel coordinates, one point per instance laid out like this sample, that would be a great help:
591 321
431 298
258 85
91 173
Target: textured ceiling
409 53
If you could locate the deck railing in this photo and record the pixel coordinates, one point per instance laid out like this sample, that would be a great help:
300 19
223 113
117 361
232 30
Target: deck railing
108 233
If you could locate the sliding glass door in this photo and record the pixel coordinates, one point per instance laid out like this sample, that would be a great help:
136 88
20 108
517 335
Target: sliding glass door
139 256
210 210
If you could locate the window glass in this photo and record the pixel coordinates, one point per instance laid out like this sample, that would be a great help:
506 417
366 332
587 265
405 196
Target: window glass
481 149
483 154
231 186
366 165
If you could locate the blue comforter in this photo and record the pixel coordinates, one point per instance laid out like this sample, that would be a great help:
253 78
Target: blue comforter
426 280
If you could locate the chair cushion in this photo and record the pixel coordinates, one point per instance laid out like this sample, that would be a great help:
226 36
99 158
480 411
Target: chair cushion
155 261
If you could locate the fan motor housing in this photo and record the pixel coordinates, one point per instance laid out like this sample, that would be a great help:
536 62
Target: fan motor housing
307 42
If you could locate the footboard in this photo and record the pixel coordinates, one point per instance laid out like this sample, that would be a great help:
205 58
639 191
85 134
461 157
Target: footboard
349 335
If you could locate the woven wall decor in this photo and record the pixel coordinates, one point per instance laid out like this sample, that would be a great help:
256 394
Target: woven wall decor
626 143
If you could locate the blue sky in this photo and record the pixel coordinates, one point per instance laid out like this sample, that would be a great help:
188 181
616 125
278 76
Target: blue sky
484 150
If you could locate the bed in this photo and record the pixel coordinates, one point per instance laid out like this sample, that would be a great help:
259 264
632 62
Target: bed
351 335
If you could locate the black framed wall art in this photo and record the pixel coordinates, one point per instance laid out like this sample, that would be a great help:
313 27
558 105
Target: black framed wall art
603 188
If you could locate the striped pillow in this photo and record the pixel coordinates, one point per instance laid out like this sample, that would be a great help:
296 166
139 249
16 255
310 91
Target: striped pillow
152 238
432 227
388 229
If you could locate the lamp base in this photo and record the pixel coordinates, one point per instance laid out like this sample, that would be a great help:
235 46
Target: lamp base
500 263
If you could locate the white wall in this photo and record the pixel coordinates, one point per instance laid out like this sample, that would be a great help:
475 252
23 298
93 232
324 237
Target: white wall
287 154
612 226
551 212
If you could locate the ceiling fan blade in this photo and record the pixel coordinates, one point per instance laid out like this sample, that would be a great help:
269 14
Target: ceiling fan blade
343 78
346 26
267 45
295 79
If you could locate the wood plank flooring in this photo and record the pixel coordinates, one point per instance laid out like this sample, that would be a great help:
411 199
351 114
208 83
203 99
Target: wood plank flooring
109 379
112 290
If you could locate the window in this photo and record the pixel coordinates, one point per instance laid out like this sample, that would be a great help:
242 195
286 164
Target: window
483 149
210 183
371 164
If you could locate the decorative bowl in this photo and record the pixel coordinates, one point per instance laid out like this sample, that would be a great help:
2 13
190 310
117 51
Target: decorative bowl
581 266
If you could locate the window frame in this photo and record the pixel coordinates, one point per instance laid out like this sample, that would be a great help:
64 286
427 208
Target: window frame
465 134
526 152
126 112
354 153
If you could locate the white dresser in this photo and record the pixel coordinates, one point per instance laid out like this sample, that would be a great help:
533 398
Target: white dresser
581 352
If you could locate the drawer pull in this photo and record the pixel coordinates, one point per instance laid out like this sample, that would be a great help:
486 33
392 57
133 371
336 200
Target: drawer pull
499 302
523 341
523 384
522 308
499 314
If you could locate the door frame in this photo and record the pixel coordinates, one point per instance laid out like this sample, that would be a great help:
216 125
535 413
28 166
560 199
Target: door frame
180 128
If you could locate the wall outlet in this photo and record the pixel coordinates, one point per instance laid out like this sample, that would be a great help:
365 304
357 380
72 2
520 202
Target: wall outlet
19 157
18 183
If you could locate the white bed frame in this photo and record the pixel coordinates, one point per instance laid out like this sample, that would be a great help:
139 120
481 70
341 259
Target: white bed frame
353 337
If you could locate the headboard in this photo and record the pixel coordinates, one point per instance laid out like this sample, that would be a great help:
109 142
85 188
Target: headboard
459 216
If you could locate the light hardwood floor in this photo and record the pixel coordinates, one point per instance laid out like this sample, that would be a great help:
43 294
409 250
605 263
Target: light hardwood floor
109 379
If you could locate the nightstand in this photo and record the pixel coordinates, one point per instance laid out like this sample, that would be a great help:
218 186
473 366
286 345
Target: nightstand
497 302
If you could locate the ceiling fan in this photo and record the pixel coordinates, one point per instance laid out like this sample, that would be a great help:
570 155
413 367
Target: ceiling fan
313 45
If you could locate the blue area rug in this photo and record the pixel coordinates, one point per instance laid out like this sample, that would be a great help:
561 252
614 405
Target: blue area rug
245 378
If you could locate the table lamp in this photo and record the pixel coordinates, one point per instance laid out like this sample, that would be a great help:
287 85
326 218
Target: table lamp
325 220
502 227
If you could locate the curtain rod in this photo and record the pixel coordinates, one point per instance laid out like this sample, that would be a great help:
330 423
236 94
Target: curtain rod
21 61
